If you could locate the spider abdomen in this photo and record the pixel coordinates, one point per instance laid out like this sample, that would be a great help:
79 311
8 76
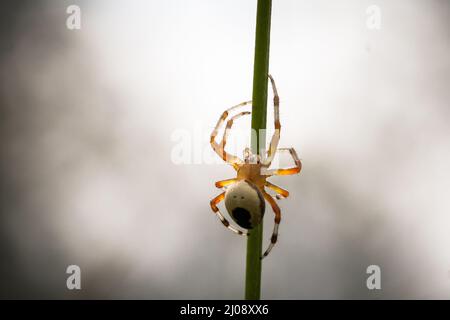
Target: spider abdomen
245 204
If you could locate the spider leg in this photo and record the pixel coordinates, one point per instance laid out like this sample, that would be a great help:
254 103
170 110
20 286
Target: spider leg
281 193
231 159
277 212
229 125
288 171
224 221
225 183
276 117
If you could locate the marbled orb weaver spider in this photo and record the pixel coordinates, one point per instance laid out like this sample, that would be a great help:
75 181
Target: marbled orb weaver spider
245 195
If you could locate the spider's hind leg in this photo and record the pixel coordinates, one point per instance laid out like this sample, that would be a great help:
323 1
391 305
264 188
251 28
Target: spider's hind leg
277 211
224 221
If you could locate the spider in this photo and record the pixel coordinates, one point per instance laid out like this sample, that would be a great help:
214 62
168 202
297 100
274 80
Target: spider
245 195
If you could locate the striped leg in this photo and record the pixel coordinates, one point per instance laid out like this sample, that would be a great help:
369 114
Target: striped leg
281 193
229 125
289 171
224 221
277 212
233 160
276 116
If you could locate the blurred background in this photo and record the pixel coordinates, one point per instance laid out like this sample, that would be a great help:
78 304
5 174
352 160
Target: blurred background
91 120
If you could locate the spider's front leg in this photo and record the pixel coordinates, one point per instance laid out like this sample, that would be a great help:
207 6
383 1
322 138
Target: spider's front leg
219 148
288 171
276 117
229 125
224 221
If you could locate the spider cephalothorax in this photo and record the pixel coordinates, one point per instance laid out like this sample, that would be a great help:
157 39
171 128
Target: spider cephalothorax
245 195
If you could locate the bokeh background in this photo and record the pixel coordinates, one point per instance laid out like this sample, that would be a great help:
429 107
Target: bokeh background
89 121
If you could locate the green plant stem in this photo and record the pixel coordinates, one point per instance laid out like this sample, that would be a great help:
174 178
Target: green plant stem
259 115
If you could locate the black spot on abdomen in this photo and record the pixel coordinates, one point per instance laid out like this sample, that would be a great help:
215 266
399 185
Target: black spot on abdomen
242 218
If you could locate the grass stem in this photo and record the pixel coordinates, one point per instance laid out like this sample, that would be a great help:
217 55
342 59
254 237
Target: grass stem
259 115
